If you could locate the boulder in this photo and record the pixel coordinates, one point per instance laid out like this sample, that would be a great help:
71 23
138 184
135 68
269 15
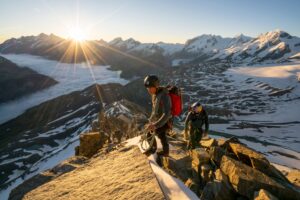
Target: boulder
219 189
222 142
257 161
192 186
179 168
294 177
246 180
206 173
196 173
90 143
216 154
199 156
264 195
208 143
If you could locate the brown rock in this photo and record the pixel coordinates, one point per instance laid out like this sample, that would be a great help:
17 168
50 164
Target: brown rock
178 168
222 142
219 189
257 161
206 173
208 143
90 143
199 156
246 180
196 173
216 154
294 177
264 195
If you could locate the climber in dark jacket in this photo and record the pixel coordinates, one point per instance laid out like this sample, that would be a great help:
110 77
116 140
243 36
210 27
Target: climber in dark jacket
196 118
161 112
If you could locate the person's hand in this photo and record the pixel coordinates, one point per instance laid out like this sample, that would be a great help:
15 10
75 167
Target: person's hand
151 127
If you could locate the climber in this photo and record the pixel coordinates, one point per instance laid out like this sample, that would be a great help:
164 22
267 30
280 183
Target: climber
194 121
159 121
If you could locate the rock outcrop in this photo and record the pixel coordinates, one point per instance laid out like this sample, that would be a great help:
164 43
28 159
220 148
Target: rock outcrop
90 143
227 169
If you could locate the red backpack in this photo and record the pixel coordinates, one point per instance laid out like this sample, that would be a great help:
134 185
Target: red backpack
176 99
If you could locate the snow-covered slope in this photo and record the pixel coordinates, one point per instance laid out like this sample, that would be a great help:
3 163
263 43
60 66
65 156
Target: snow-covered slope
258 104
271 46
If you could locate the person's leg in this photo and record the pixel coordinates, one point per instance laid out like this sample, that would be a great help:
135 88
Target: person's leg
154 145
192 141
162 135
198 137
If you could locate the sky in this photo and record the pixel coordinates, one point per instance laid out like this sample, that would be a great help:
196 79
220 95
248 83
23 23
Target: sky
147 20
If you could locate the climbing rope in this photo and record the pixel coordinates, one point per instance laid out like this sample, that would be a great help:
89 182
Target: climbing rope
147 140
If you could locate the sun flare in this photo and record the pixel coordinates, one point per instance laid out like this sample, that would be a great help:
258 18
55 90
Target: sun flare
77 34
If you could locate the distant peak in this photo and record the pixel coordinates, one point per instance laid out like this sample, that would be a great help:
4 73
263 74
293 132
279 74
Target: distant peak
116 40
42 35
277 33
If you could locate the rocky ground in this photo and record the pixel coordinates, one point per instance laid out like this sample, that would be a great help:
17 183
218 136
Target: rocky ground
228 169
121 174
219 169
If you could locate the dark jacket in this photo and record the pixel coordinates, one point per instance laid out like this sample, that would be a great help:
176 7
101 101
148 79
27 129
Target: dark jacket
161 108
196 120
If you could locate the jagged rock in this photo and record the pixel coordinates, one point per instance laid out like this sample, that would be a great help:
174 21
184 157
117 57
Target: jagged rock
90 143
257 161
216 154
264 195
193 186
219 189
178 168
246 180
222 142
206 173
199 156
294 177
208 143
196 173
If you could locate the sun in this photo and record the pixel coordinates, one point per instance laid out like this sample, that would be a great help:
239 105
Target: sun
77 34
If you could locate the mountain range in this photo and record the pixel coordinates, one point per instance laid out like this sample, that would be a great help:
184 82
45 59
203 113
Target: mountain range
271 47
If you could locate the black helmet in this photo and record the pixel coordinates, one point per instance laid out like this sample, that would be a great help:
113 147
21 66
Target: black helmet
151 81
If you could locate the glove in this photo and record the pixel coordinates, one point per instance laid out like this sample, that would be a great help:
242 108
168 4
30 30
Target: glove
151 127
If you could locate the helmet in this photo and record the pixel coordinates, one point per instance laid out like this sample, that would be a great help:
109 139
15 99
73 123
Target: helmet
151 81
197 107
